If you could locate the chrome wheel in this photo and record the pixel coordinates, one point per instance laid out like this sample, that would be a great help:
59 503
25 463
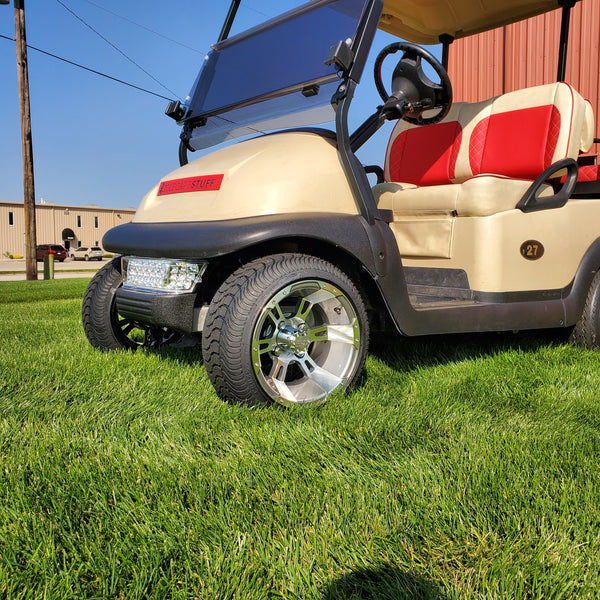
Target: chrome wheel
306 342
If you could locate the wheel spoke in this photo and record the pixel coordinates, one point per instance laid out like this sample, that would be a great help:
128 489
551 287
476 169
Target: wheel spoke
279 368
126 326
317 297
266 345
304 308
332 333
284 392
326 380
319 334
276 314
148 337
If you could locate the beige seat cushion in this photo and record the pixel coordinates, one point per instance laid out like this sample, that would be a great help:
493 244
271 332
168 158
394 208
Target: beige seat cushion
477 197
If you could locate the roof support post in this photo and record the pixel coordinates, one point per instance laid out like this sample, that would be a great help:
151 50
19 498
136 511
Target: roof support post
235 4
567 5
445 40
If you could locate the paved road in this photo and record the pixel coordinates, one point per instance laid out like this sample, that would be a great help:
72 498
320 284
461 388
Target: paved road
14 270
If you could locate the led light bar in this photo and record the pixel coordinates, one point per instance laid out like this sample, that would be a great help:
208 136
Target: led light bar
163 275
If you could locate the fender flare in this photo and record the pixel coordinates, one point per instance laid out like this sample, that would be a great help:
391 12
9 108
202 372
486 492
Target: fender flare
369 244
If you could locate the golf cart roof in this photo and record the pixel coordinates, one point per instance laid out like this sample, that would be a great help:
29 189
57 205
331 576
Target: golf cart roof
424 21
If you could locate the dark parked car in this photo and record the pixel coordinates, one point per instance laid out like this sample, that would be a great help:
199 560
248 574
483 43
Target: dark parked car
59 252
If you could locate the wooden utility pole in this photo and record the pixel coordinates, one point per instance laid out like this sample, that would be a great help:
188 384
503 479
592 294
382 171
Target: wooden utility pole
28 184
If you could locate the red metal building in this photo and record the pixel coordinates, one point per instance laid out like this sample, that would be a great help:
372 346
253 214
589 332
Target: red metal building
526 54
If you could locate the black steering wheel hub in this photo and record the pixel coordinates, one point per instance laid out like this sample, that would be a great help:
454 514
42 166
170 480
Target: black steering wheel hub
413 93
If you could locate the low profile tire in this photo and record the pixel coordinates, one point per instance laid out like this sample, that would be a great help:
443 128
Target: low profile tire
586 332
104 327
290 328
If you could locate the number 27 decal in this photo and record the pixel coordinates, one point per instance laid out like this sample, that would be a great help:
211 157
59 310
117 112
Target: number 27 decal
532 250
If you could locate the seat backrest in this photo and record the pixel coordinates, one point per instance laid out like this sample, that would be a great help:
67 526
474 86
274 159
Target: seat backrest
515 135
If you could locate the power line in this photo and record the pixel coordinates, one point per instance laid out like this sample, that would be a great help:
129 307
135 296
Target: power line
144 27
115 47
70 62
255 10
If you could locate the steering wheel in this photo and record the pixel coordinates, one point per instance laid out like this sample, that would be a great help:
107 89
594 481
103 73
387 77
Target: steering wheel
413 92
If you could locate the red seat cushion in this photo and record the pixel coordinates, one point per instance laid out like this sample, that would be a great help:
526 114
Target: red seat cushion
586 173
426 155
589 173
517 143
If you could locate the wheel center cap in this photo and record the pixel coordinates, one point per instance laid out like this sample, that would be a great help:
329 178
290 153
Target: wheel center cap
293 339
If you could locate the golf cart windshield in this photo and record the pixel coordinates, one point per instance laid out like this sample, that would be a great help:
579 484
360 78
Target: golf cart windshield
273 76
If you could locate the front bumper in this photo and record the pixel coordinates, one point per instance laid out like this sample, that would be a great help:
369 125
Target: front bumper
173 311
160 292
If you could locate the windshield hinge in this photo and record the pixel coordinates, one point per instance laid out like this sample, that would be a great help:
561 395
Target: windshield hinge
341 55
175 110
308 91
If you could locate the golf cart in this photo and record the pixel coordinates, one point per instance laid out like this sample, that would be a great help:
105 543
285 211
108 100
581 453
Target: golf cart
280 253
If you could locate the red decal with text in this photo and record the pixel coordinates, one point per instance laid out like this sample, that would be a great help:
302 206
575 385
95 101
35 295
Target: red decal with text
205 183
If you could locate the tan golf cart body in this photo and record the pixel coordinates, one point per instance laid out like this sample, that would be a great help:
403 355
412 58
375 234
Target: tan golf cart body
477 224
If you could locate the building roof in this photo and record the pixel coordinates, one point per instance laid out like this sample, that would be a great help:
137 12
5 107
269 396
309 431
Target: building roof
88 207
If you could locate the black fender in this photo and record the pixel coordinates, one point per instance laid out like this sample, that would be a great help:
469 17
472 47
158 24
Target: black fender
210 239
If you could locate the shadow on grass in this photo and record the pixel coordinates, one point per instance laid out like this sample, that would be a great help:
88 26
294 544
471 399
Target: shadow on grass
189 352
405 353
382 583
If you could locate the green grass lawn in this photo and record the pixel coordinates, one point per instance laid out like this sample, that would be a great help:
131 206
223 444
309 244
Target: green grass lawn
464 467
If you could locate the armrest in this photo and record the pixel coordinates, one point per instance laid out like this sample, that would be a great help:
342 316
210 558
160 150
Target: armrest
530 202
376 170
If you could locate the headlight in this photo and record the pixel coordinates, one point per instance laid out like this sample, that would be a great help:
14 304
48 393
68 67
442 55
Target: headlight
161 274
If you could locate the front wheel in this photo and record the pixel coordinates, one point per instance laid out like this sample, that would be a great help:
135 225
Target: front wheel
104 327
290 328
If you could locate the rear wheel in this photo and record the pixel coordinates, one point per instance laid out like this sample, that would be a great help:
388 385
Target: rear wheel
290 328
104 327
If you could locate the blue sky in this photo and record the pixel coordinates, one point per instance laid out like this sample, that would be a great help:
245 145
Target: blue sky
96 141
